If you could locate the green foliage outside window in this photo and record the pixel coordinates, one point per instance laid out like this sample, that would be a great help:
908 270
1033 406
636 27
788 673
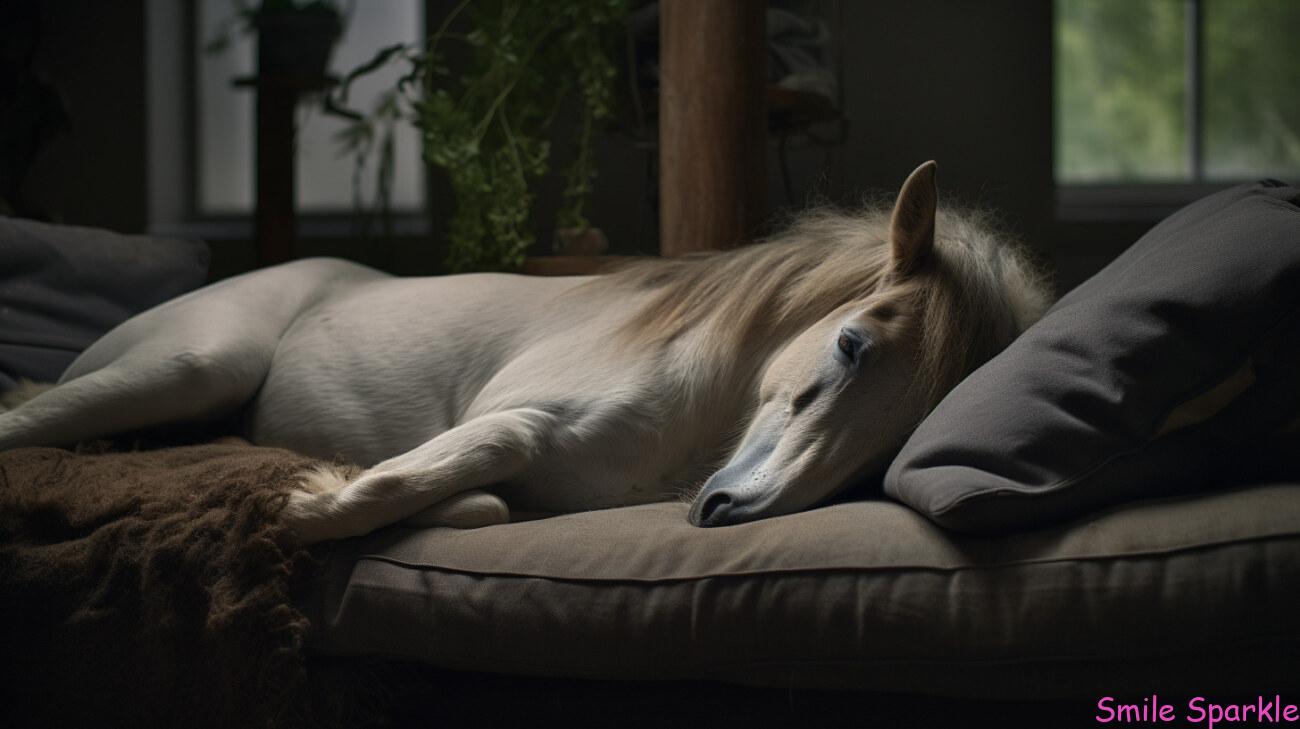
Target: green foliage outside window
1252 88
1121 90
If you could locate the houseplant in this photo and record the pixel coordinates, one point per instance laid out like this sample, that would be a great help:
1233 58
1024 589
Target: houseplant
486 119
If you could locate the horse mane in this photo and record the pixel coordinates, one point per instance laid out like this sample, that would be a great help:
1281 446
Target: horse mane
977 294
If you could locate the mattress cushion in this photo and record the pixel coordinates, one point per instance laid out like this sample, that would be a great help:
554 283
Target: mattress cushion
1190 593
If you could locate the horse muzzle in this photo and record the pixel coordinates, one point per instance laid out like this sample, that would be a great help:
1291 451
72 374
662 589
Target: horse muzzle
714 509
735 493
742 489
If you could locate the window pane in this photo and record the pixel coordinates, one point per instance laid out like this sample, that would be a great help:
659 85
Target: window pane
224 117
1252 88
1119 91
325 178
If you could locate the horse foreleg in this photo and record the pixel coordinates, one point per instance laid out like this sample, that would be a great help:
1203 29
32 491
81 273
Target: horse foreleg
468 510
428 484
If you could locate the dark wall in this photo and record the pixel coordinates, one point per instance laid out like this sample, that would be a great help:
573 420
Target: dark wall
94 173
966 84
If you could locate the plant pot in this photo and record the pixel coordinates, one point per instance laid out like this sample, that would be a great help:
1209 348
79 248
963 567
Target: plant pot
296 44
573 265
581 241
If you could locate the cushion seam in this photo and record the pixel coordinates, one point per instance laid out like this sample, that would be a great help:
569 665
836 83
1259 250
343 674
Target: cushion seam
796 571
1216 649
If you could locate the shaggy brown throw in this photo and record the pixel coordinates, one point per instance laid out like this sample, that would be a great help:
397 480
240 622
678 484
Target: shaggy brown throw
150 588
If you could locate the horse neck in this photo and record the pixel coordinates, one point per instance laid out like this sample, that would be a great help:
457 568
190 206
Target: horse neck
715 376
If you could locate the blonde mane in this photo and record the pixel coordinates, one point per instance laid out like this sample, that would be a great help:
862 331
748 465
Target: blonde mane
977 294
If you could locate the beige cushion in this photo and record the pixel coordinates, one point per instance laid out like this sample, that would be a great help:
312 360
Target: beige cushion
1196 593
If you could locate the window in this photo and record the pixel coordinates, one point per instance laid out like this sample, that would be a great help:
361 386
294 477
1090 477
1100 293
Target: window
1176 92
224 115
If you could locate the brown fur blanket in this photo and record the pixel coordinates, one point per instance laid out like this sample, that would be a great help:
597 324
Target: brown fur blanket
150 588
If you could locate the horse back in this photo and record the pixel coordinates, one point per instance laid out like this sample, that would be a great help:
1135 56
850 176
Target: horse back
376 368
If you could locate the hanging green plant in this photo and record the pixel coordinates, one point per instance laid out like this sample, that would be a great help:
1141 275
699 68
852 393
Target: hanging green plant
488 124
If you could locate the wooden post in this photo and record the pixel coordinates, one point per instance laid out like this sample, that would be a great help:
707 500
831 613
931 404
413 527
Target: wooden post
276 217
276 147
712 123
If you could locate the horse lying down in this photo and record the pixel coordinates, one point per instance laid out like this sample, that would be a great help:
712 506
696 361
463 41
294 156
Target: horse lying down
775 375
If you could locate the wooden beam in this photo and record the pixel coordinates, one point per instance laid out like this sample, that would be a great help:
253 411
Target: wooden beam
276 216
712 123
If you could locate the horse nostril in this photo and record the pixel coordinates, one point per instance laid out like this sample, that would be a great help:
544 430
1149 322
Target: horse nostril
712 503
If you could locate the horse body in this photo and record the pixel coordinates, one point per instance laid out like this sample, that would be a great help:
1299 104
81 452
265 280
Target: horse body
379 365
766 378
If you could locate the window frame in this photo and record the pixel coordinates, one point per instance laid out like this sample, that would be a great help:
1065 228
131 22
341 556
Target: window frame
1137 201
172 47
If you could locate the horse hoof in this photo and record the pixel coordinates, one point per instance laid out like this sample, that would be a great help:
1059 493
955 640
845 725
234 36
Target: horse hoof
470 510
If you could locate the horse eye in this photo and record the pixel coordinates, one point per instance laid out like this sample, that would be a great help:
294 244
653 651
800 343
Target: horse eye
847 345
851 345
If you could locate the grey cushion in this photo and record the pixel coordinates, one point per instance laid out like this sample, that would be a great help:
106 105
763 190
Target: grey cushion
1195 593
1145 380
62 287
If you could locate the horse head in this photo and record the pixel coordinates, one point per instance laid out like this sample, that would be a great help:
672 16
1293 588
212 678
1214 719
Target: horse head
840 398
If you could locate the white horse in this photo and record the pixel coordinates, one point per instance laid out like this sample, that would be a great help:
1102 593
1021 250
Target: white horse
779 372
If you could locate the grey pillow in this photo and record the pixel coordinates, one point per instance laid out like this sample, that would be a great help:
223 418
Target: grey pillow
1147 379
62 287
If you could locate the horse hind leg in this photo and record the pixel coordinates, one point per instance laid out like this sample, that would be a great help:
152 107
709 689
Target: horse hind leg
22 392
144 388
199 356
184 361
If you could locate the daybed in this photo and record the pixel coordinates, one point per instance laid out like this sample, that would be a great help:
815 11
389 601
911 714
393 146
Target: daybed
1136 533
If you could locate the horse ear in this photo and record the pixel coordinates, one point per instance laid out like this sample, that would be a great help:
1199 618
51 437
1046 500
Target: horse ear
911 228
